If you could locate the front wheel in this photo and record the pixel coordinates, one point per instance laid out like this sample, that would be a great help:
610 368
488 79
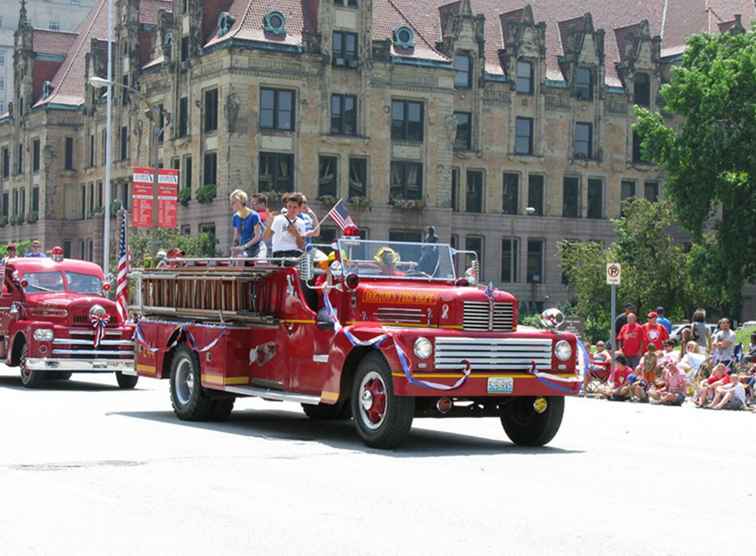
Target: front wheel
383 420
29 378
532 421
190 401
126 382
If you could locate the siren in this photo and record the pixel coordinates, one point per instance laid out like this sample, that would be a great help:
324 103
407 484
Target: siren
57 254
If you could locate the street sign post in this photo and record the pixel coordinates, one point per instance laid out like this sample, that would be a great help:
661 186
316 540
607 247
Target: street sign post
613 278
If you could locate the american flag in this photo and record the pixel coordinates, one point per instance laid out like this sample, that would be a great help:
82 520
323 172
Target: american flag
340 215
122 282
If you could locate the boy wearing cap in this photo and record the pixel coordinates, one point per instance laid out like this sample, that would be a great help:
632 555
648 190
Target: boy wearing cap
656 334
731 395
618 388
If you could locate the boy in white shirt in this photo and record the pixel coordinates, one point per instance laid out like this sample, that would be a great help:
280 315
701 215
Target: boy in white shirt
287 231
730 396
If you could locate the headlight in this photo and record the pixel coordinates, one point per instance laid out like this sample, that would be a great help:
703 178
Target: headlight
43 335
563 350
423 348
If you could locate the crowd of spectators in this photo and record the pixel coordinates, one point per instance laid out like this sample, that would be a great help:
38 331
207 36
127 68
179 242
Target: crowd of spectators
649 366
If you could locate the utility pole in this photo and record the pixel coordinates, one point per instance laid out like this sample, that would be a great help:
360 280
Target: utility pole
108 146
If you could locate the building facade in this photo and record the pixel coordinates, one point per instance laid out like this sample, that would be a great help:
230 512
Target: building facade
505 124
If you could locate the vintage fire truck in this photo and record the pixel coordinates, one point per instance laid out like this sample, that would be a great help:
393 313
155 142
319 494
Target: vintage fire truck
55 320
385 333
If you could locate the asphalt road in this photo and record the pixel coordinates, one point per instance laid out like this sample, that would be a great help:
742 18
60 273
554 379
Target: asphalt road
88 469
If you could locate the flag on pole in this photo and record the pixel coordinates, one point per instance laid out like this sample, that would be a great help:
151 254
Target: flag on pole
122 281
340 214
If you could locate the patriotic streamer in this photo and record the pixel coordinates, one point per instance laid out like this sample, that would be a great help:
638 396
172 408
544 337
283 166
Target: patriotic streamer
139 338
403 359
555 382
99 322
183 332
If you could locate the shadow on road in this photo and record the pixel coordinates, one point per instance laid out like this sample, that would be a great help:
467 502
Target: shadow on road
71 385
285 425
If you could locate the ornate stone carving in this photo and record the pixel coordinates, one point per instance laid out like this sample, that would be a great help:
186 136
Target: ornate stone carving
232 106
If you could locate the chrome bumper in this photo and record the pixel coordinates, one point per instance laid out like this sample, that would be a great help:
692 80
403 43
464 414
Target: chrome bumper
125 366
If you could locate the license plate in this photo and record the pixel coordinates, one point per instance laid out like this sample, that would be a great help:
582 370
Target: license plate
500 385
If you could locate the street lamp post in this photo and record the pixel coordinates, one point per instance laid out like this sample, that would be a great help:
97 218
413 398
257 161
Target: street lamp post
108 146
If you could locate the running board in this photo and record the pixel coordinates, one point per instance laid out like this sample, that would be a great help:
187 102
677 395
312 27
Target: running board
268 394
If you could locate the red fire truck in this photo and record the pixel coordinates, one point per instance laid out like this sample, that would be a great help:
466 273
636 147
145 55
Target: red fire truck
385 333
55 320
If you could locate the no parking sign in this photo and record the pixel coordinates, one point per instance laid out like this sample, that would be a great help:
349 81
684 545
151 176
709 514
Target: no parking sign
613 274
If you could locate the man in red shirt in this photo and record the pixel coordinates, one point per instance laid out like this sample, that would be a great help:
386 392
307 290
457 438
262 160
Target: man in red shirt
655 333
632 340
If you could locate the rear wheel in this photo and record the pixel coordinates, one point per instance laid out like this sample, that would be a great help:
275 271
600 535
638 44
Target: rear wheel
61 375
526 426
126 382
191 402
29 378
383 420
324 412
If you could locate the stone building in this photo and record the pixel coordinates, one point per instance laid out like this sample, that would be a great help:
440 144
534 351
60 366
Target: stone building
504 123
55 15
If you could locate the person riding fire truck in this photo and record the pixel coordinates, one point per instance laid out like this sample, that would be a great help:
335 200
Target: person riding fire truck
389 341
55 320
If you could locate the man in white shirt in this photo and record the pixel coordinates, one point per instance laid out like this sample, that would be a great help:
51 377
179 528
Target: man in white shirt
730 396
723 342
287 231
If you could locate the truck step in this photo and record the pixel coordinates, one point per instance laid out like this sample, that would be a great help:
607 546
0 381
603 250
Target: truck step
269 394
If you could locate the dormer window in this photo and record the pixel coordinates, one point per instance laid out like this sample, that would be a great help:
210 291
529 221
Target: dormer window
462 71
524 77
275 23
404 37
346 3
47 89
584 83
642 89
225 22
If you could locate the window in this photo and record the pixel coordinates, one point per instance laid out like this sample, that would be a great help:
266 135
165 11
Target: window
124 143
642 89
35 156
183 123
463 139
184 49
524 136
176 163
211 111
344 49
455 189
35 200
277 109
186 229
346 3
67 248
595 198
524 78
535 261
462 71
22 202
637 151
584 83
510 253
188 172
209 229
83 190
69 154
344 114
161 124
510 193
6 162
185 6
328 176
474 191
20 159
651 191
358 177
5 204
535 193
104 147
210 169
125 195
571 197
91 198
276 172
406 181
125 90
54 26
583 140
411 236
91 150
99 195
407 121
627 191
475 243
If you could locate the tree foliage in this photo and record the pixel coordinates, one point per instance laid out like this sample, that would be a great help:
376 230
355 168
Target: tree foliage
708 150
145 244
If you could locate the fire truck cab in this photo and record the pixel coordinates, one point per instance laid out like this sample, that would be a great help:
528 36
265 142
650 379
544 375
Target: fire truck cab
385 333
55 320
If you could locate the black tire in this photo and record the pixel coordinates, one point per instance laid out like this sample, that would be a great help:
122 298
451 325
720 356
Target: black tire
190 401
221 409
526 427
322 412
395 420
30 379
126 382
60 375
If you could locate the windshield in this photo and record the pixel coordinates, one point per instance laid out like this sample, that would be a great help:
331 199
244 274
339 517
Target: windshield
397 259
43 282
83 283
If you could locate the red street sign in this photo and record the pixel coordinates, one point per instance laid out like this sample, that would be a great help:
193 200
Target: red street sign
167 197
142 195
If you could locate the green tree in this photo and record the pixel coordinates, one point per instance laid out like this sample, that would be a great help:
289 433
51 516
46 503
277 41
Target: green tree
145 244
708 150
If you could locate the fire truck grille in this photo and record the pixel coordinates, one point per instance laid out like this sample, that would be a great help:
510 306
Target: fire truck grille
482 315
81 346
492 354
399 314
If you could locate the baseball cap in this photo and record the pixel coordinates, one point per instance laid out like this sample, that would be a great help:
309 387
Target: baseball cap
652 315
660 309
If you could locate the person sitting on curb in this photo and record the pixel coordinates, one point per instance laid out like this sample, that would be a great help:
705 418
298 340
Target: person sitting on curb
671 390
617 387
691 362
599 366
730 395
708 386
